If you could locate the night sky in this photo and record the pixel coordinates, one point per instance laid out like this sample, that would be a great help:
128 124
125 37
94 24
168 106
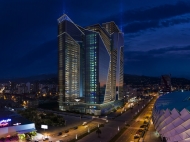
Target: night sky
157 34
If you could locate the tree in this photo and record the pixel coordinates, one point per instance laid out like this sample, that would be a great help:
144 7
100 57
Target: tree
98 131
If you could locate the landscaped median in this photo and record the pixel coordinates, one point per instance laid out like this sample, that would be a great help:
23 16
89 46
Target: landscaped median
119 133
78 137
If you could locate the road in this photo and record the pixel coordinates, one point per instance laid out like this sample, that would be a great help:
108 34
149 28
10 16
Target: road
128 135
72 120
108 131
114 125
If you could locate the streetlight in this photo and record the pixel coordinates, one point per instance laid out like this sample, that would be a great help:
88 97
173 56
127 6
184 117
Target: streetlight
65 122
17 124
77 100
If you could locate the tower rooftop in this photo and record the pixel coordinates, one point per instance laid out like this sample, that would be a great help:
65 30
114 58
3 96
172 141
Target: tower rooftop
64 17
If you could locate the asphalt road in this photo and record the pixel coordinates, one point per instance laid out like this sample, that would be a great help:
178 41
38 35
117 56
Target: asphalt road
114 125
128 135
108 131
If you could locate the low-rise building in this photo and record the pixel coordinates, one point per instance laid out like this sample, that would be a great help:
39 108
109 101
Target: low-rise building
12 124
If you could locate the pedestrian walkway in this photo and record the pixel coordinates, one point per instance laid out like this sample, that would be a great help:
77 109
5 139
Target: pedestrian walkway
151 135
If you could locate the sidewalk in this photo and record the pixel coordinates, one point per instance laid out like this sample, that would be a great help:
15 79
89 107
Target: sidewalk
151 135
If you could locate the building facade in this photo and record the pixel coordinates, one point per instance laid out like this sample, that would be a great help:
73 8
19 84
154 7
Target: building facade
165 84
90 63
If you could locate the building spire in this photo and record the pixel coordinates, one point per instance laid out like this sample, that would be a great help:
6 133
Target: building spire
64 17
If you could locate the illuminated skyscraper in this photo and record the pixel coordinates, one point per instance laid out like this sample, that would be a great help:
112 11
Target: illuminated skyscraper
90 63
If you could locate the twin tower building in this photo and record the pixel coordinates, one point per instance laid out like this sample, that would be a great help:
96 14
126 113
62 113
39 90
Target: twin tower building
90 66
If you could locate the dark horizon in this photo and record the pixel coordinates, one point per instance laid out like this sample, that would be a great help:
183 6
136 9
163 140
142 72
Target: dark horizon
50 75
156 34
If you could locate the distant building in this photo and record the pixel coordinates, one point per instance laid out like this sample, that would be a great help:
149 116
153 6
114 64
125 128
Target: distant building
90 63
22 88
28 87
166 83
35 87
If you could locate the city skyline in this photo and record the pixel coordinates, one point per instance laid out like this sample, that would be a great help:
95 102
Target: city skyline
156 34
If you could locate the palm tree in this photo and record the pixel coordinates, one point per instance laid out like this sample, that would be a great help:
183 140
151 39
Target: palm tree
98 132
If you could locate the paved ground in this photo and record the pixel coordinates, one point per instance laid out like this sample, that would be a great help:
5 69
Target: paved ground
151 135
113 126
128 135
108 131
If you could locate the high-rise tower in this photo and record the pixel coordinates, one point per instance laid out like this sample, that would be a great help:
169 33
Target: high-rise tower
90 63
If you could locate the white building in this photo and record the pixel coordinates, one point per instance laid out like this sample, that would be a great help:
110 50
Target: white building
171 117
12 124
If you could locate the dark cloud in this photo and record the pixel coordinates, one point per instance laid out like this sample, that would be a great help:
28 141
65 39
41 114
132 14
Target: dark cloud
135 27
174 21
138 26
158 62
39 53
164 52
29 30
155 17
42 59
158 13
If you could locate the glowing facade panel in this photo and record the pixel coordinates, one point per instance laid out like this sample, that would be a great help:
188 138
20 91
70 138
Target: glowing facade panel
104 67
91 67
72 71
69 36
117 64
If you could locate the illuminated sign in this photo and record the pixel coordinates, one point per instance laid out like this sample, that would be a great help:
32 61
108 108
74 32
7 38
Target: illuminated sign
4 122
17 124
44 126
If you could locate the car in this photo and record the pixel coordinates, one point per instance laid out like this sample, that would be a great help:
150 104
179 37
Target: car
84 123
136 136
59 134
59 141
65 135
86 126
75 128
140 130
66 131
143 126
45 139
